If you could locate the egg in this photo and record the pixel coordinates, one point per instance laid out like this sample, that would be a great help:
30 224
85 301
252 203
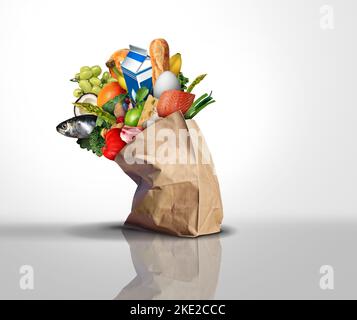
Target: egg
166 81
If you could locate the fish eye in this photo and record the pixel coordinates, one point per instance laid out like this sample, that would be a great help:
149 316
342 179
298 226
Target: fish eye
64 126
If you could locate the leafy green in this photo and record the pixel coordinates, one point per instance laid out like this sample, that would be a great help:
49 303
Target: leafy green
110 105
183 81
141 94
122 97
84 144
102 123
94 143
196 82
91 108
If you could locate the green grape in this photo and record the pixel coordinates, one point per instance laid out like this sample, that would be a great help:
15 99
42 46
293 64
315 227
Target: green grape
85 86
96 90
78 93
95 81
83 69
106 76
86 75
96 70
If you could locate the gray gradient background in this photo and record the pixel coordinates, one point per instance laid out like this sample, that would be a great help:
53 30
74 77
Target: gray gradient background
282 134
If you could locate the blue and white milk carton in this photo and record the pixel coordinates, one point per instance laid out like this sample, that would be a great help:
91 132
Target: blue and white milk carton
137 70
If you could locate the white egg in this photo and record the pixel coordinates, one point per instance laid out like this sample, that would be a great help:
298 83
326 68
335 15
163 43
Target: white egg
166 81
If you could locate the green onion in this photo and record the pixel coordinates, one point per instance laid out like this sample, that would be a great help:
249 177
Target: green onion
193 107
200 109
199 100
199 105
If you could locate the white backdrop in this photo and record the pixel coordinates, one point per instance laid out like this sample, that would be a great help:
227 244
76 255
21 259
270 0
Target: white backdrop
283 133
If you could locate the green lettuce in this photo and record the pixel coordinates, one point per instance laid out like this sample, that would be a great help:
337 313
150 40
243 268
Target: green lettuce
94 143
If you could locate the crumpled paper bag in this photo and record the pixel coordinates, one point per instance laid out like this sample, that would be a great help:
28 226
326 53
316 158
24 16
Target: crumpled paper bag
178 191
172 268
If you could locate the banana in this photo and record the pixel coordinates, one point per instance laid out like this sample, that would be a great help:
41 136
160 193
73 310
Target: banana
176 63
122 82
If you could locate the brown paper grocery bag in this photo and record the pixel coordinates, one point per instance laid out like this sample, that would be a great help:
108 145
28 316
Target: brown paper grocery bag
178 191
172 269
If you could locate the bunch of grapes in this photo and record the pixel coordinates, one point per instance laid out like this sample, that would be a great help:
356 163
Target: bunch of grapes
91 81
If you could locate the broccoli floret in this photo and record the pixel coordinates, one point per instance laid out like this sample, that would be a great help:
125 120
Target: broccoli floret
94 143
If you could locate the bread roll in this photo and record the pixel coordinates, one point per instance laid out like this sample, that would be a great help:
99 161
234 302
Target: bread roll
160 58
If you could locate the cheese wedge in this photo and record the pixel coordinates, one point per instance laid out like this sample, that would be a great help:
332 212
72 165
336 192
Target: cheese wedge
149 110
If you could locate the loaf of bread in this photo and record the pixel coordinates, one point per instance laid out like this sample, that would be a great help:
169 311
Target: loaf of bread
160 58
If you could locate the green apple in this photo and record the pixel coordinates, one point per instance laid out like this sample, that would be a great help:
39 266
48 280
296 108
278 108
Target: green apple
132 117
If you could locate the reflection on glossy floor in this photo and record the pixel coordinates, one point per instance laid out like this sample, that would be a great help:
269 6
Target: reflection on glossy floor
249 261
168 268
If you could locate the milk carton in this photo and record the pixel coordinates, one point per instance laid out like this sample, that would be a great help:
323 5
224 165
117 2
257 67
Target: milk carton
137 70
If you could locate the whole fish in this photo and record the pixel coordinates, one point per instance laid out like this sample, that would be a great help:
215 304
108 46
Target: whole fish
79 127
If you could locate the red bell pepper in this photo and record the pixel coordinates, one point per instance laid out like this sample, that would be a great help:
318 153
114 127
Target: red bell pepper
113 144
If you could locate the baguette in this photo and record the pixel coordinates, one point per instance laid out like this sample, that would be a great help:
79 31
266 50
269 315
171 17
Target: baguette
160 58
